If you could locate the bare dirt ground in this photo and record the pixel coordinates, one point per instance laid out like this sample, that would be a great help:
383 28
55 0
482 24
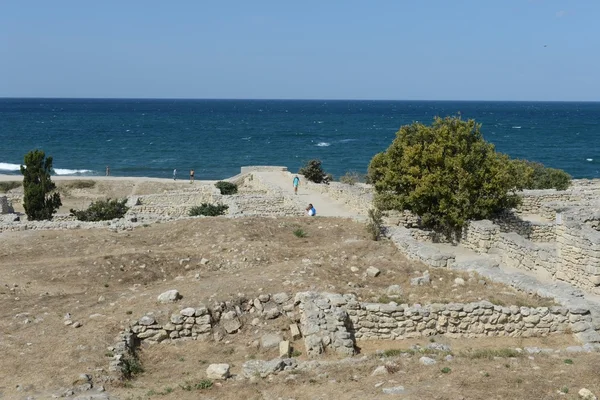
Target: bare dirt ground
105 280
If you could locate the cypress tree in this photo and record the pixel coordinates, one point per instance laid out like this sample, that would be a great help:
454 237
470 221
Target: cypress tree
38 200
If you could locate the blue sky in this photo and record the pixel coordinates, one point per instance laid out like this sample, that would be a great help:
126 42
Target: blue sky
326 49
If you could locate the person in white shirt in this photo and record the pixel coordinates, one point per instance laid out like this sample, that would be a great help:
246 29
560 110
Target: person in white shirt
310 210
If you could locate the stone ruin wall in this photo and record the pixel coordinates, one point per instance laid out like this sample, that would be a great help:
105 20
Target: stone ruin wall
334 322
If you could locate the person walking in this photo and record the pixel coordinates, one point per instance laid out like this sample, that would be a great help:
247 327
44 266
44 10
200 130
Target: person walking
191 175
175 174
107 170
296 182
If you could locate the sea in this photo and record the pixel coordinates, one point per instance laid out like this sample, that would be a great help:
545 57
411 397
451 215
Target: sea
151 138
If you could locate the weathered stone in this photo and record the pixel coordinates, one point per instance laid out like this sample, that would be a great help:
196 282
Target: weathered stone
147 320
281 298
427 361
188 312
295 332
284 349
381 370
373 272
270 340
394 390
170 296
217 371
253 368
586 394
394 291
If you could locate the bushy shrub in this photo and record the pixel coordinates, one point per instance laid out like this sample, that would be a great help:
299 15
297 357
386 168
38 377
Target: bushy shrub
375 224
313 172
102 210
208 210
6 186
352 178
40 201
445 173
227 187
538 176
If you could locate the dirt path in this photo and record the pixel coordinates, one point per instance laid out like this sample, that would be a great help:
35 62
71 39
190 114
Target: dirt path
325 206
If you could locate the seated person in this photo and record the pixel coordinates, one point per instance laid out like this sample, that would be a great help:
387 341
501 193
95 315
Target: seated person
310 211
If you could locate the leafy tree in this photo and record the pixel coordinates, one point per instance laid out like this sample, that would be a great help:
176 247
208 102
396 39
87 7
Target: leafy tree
227 188
38 200
313 171
542 177
102 210
446 173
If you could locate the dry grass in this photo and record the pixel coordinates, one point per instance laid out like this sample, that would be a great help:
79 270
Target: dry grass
115 278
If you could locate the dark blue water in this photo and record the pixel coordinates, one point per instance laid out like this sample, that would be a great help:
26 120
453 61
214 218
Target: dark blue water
217 137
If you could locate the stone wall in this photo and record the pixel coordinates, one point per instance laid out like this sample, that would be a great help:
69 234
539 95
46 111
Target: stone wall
334 322
390 321
5 206
574 257
578 255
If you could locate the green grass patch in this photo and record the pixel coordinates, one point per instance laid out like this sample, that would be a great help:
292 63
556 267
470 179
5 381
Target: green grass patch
300 233
80 184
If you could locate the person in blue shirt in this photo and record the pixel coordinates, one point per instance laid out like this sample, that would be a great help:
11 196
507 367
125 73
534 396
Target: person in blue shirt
296 182
310 210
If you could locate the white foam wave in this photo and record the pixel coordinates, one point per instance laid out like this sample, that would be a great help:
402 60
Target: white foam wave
323 144
64 171
589 159
9 167
348 140
516 127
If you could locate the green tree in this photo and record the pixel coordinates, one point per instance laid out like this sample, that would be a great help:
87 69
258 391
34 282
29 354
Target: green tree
445 173
542 177
102 210
38 200
313 171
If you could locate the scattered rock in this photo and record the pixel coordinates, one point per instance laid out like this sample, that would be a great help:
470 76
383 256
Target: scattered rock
381 370
427 361
284 349
77 324
281 298
354 269
217 371
253 368
147 320
187 312
421 280
586 394
394 291
270 340
373 272
394 390
203 261
255 322
295 332
231 325
459 281
170 296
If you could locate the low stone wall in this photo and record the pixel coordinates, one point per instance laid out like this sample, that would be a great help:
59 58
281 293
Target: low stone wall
390 321
5 206
520 253
334 322
578 254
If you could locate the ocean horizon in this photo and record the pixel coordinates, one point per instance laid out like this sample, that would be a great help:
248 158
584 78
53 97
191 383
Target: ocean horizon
215 137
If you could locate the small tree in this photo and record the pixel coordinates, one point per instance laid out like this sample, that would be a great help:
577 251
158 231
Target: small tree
446 173
208 210
313 171
227 188
538 176
38 200
102 210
